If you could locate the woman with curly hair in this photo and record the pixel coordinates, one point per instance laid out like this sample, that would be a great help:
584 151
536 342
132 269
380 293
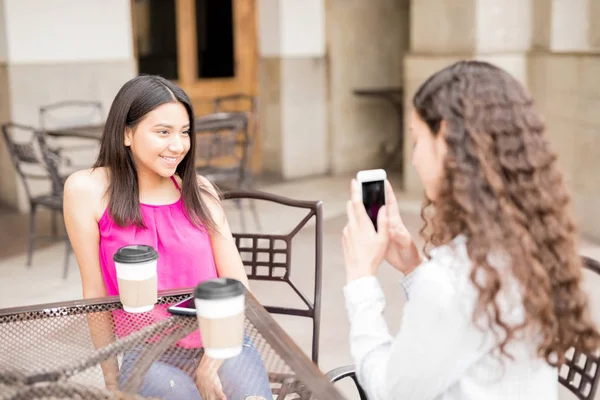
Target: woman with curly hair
494 306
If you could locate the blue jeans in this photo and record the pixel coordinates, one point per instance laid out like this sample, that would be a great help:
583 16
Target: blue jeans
242 376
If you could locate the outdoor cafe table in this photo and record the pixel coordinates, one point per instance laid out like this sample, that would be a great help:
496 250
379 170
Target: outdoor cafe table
46 350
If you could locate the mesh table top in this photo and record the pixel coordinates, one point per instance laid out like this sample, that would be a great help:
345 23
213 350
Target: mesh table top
67 350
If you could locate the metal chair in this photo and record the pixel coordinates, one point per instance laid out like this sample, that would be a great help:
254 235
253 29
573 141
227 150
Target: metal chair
222 152
240 102
268 257
337 374
65 115
579 374
34 160
70 114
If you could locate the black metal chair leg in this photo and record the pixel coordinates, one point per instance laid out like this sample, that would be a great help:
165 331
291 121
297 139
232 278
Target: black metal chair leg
255 213
54 224
32 212
238 204
67 254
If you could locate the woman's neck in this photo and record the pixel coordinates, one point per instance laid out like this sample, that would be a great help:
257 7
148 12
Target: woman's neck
152 184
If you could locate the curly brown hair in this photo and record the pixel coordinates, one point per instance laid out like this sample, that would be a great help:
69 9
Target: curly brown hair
503 190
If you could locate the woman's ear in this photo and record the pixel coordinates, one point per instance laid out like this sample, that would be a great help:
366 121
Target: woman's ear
128 137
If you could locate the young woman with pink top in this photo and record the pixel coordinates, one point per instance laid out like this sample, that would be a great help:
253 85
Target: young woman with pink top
143 189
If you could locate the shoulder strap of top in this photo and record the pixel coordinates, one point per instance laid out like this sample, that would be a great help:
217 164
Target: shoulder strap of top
175 182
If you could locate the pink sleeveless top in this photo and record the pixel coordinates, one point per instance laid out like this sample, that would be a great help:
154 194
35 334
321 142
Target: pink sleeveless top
185 253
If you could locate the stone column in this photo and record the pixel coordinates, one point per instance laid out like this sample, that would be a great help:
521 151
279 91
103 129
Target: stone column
565 82
594 18
293 95
570 25
54 51
497 31
367 41
8 190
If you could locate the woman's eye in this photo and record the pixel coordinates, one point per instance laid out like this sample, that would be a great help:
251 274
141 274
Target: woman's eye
185 133
163 132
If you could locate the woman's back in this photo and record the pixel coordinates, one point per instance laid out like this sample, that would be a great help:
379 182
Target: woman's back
439 314
494 316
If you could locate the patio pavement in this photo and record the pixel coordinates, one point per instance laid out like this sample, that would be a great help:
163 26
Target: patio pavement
42 282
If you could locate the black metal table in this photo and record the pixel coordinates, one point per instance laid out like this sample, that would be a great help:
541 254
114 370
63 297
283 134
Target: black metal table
47 351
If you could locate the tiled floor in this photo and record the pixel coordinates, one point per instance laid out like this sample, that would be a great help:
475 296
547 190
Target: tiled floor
42 282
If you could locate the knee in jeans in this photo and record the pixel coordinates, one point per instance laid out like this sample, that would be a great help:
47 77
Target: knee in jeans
168 382
245 376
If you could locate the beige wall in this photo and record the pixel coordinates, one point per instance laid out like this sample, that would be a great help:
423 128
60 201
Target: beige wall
366 43
442 33
293 88
308 109
567 91
8 184
44 64
549 45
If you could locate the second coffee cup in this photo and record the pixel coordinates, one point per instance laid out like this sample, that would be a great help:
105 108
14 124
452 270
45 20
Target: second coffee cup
137 277
220 309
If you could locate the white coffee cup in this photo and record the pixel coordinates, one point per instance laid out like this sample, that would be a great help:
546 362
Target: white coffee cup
220 306
137 277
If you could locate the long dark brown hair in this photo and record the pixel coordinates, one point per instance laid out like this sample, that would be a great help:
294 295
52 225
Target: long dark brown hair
135 99
503 190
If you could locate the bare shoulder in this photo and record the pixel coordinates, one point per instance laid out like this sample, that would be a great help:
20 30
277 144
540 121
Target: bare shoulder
88 186
88 180
207 185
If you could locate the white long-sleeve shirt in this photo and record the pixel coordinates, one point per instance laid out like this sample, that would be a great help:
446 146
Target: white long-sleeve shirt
439 353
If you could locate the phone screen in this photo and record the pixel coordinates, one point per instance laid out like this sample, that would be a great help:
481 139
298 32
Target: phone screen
188 303
186 307
373 198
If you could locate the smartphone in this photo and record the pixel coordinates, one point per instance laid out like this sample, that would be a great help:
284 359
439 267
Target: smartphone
372 184
186 307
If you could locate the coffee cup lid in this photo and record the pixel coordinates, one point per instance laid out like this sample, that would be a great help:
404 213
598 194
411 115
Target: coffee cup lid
136 253
219 288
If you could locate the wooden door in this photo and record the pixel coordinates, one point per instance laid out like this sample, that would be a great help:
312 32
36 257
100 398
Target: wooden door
169 38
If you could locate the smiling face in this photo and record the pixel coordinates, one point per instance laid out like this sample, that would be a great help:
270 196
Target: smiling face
160 141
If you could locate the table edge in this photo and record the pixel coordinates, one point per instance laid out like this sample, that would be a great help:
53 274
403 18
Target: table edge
84 302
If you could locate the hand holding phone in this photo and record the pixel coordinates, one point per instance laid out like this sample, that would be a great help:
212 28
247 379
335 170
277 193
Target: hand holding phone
372 183
363 241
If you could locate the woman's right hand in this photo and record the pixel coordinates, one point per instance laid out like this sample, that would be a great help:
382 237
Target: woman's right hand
401 253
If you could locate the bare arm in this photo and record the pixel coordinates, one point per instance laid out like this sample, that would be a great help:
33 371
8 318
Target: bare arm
228 261
227 257
82 199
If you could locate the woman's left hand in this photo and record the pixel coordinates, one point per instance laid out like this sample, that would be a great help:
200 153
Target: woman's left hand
364 248
207 380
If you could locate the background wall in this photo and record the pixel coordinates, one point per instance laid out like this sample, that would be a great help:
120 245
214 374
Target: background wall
54 51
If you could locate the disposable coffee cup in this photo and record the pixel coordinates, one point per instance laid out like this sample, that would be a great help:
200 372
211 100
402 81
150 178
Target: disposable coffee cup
137 278
220 309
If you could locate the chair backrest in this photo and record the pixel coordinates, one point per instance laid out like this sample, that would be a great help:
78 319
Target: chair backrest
26 154
222 142
347 371
70 114
580 372
268 257
51 161
239 102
